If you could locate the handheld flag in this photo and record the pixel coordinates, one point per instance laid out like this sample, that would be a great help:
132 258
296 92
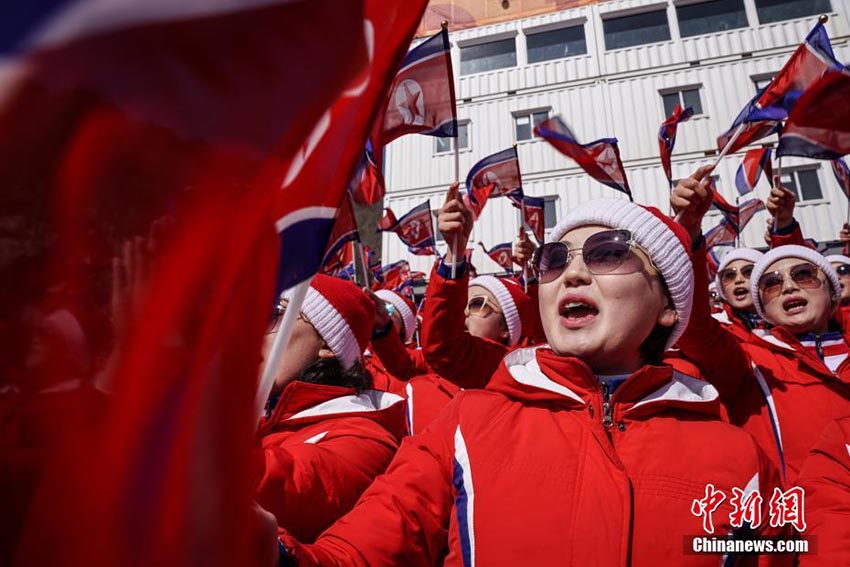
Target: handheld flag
819 125
727 209
422 98
534 216
394 275
499 170
416 230
842 175
599 159
367 185
667 137
501 254
721 235
388 221
747 210
476 198
755 163
344 231
763 114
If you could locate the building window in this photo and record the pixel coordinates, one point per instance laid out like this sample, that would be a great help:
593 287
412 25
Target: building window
685 97
637 29
438 236
761 81
556 44
778 10
804 183
524 123
711 17
487 56
447 145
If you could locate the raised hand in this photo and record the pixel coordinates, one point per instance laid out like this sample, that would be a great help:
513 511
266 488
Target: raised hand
691 199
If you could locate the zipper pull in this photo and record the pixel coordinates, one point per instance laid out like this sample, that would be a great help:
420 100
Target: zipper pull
607 409
819 346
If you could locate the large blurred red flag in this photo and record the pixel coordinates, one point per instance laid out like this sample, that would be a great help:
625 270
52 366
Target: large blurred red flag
115 119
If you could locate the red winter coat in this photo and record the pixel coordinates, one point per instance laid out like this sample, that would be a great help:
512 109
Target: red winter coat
525 473
323 446
426 395
381 378
401 362
826 478
772 387
449 349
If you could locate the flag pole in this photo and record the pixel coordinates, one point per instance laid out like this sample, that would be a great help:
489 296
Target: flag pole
281 339
738 222
454 240
778 180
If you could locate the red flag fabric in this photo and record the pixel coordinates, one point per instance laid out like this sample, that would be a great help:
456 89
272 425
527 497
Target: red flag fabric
746 212
755 163
842 175
819 125
727 209
416 230
388 221
367 186
667 136
476 198
501 254
344 231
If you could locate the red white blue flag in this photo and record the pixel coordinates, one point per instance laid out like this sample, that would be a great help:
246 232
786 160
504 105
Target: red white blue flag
422 98
819 125
501 254
388 221
763 114
367 185
727 209
499 170
533 213
755 163
746 212
416 230
599 159
721 235
344 231
667 137
393 276
842 175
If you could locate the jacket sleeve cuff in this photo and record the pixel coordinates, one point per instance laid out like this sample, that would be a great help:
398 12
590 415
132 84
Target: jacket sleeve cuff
444 270
787 230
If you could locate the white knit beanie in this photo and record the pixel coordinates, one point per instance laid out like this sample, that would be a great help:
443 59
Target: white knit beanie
500 291
838 258
793 251
401 304
666 242
747 254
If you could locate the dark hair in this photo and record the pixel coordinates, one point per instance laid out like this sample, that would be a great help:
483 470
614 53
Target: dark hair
652 349
329 372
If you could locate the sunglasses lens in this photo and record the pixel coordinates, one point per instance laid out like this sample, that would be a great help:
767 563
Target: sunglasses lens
747 270
605 252
805 276
552 260
476 304
770 285
843 270
728 275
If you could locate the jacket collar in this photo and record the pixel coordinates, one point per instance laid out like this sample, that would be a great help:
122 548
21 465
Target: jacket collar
304 404
538 374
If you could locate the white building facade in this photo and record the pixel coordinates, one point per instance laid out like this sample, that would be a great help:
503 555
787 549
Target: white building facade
616 69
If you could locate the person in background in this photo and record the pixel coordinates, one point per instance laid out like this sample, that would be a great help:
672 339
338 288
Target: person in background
329 434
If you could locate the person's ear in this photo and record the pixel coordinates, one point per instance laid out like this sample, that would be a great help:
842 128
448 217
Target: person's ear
326 352
668 317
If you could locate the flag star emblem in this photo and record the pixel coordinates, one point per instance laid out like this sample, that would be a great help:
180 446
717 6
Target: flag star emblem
408 100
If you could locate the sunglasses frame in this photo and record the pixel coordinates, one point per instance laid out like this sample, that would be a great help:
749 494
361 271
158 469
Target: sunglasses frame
486 305
627 239
763 291
735 271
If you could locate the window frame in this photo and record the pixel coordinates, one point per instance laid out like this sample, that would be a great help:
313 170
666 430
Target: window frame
689 3
758 12
530 115
575 24
621 14
486 41
680 92
797 190
453 141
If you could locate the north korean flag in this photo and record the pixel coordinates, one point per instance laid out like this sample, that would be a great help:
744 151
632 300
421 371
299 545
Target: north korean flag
754 164
819 125
721 235
599 159
501 254
667 136
416 230
394 275
747 210
533 214
344 231
499 170
727 209
422 98
842 175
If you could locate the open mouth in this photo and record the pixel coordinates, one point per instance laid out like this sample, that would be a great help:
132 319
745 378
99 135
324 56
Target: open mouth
794 305
740 292
576 312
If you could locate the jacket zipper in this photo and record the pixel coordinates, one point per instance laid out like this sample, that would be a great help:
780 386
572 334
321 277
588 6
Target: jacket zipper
607 408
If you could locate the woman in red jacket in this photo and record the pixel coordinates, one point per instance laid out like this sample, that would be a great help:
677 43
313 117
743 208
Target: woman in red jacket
784 385
589 451
329 434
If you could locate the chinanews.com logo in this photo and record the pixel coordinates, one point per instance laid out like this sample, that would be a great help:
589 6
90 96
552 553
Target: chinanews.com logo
785 510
